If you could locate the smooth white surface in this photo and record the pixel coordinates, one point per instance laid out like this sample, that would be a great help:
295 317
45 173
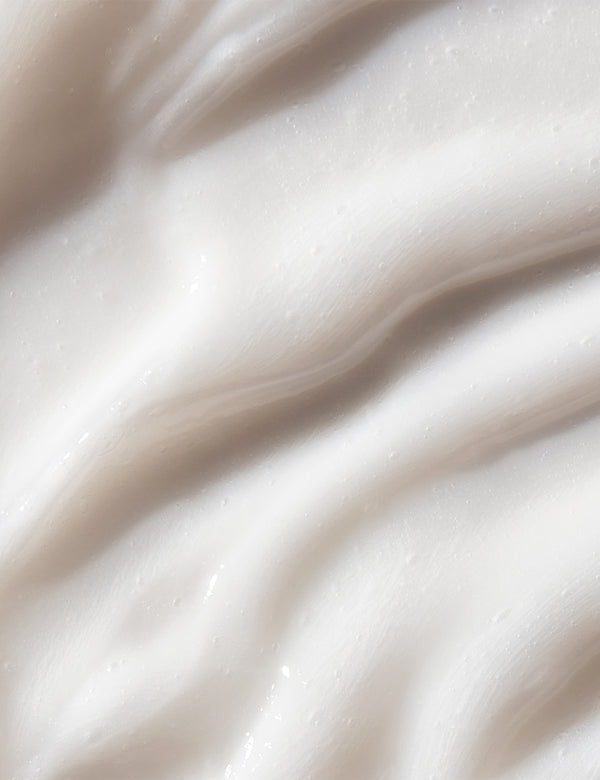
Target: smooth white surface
300 342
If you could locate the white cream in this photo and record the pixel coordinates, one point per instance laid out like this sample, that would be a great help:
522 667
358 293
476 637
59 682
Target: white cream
301 348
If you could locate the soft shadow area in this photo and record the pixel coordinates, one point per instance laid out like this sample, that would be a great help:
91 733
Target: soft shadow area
574 699
57 135
300 73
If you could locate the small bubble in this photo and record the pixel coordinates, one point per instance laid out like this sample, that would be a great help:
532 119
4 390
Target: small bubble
500 616
249 747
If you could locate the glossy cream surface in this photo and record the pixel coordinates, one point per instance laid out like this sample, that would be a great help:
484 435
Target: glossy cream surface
300 399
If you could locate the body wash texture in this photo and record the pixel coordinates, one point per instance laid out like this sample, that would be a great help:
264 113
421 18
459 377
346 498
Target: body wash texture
300 399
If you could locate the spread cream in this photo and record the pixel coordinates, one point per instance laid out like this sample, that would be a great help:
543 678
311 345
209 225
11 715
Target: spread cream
300 426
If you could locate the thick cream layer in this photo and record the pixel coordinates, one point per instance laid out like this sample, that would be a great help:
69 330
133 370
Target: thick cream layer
299 419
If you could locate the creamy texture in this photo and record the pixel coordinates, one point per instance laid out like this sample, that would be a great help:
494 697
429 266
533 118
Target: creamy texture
300 425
